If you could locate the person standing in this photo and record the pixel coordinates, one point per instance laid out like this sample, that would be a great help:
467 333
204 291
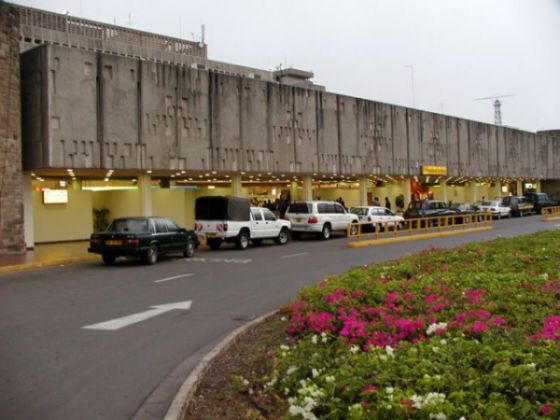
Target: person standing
387 203
376 201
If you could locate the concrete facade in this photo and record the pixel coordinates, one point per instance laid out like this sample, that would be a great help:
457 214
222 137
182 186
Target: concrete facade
87 110
11 200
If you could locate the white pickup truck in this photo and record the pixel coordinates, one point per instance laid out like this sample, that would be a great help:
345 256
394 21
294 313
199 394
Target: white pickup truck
231 219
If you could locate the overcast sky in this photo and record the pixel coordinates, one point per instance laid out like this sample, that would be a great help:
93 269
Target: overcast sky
456 50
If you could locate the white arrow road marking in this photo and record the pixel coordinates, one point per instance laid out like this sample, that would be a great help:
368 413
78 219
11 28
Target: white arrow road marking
301 254
125 321
174 277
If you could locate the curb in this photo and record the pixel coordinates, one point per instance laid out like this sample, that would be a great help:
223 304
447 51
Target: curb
44 264
180 403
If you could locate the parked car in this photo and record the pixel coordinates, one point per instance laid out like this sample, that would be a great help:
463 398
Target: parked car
428 208
320 218
142 237
519 205
381 215
232 219
466 209
495 208
540 201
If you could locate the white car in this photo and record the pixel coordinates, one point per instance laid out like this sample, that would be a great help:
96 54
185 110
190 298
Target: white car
495 208
320 218
377 214
231 219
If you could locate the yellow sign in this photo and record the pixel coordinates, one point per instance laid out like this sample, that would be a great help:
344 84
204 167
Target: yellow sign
434 170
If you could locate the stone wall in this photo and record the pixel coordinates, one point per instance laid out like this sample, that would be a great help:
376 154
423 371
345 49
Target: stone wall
11 204
104 111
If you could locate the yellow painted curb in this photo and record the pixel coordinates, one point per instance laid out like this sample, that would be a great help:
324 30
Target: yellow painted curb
44 264
383 241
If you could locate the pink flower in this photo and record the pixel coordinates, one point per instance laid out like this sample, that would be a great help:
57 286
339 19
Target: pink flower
321 322
544 410
498 321
479 326
337 296
356 294
368 389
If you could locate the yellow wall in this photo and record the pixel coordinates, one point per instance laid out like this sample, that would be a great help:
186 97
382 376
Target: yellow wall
63 222
120 203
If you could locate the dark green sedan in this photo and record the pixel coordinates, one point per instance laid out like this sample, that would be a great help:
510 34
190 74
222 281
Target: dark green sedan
142 237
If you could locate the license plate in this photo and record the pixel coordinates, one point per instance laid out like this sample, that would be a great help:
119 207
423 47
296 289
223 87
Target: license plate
298 219
112 242
210 235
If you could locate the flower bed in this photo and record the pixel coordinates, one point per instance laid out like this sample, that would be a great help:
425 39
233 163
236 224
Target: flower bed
472 332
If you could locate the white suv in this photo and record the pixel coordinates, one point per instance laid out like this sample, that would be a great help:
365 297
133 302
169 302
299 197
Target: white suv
319 217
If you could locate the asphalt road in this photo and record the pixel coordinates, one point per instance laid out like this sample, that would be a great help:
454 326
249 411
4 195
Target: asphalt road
53 368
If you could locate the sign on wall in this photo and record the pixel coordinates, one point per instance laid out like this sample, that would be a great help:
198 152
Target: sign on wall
434 170
55 196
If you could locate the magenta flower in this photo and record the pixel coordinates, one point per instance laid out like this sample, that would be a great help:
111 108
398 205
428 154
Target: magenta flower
320 322
544 410
368 389
479 326
337 296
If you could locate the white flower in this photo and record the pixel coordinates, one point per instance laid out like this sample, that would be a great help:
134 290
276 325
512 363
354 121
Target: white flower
462 418
330 379
324 337
354 349
291 370
433 328
438 416
314 339
284 347
544 276
435 349
283 319
382 357
532 365
314 372
389 390
250 391
245 382
390 351
444 342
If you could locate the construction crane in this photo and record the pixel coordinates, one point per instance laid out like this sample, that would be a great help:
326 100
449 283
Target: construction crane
497 106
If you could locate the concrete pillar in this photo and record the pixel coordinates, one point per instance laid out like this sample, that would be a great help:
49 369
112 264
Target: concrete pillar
538 186
519 187
145 189
364 184
444 195
236 185
76 184
474 195
406 192
28 226
307 188
294 191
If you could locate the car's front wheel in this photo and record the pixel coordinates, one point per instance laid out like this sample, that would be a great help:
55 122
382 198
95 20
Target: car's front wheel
188 251
282 237
353 229
151 255
108 259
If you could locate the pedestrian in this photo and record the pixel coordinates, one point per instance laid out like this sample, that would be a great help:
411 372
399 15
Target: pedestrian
376 201
387 203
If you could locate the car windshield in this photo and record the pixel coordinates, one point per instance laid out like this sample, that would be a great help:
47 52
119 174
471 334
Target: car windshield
129 226
360 211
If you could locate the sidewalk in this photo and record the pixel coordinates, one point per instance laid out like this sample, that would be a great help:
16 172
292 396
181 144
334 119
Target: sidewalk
47 255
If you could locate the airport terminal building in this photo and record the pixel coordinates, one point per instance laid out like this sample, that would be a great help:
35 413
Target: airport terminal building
100 117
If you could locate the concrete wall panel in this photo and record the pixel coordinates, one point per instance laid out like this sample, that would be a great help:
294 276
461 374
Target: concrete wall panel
478 148
383 137
305 130
416 158
281 117
400 141
452 145
192 118
159 146
492 158
257 155
350 160
328 147
464 147
72 108
118 85
227 143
